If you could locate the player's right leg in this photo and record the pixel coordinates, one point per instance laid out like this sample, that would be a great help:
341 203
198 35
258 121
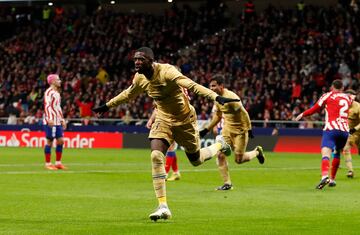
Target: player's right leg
341 140
328 143
158 148
347 154
59 150
47 152
325 166
224 172
49 134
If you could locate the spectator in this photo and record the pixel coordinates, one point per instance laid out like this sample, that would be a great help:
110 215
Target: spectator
30 118
13 112
102 75
127 118
85 107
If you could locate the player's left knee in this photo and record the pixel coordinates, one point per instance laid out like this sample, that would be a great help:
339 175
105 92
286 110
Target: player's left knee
59 142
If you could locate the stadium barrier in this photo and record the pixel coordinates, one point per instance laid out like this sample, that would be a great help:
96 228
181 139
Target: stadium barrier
135 136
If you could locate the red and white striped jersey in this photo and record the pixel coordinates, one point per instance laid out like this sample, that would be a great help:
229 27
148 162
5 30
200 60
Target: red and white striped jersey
337 107
52 101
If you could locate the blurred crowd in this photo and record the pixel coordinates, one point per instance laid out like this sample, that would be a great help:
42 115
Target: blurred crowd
282 60
278 61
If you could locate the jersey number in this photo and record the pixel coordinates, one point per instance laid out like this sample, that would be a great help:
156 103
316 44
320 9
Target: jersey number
344 107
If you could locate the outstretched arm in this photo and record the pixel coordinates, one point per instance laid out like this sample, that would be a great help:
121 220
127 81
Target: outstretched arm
126 95
196 88
201 90
314 109
130 93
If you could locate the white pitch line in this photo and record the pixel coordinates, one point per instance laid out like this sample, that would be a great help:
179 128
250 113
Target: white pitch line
71 164
36 172
123 171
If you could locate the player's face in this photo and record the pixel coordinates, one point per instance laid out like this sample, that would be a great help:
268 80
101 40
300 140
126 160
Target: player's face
215 87
142 62
57 82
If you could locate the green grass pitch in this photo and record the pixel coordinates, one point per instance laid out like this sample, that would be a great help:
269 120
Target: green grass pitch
108 191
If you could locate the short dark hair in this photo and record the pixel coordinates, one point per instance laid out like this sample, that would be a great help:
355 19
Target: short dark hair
147 51
220 80
337 84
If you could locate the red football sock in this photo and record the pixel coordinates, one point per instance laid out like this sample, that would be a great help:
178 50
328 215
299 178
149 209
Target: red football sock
47 152
174 164
169 161
47 157
59 149
325 165
58 156
334 167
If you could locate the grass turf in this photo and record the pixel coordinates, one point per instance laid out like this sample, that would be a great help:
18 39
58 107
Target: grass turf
107 191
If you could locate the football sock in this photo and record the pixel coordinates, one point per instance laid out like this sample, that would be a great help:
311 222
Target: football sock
224 171
208 152
174 165
325 165
162 201
47 151
334 167
170 158
168 164
348 160
159 175
59 149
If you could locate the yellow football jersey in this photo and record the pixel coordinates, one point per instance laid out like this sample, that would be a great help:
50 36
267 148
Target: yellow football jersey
354 115
166 88
236 118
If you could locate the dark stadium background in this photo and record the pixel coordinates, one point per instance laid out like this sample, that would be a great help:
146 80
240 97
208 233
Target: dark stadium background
201 37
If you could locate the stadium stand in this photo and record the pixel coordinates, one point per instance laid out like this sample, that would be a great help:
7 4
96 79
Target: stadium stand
279 61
